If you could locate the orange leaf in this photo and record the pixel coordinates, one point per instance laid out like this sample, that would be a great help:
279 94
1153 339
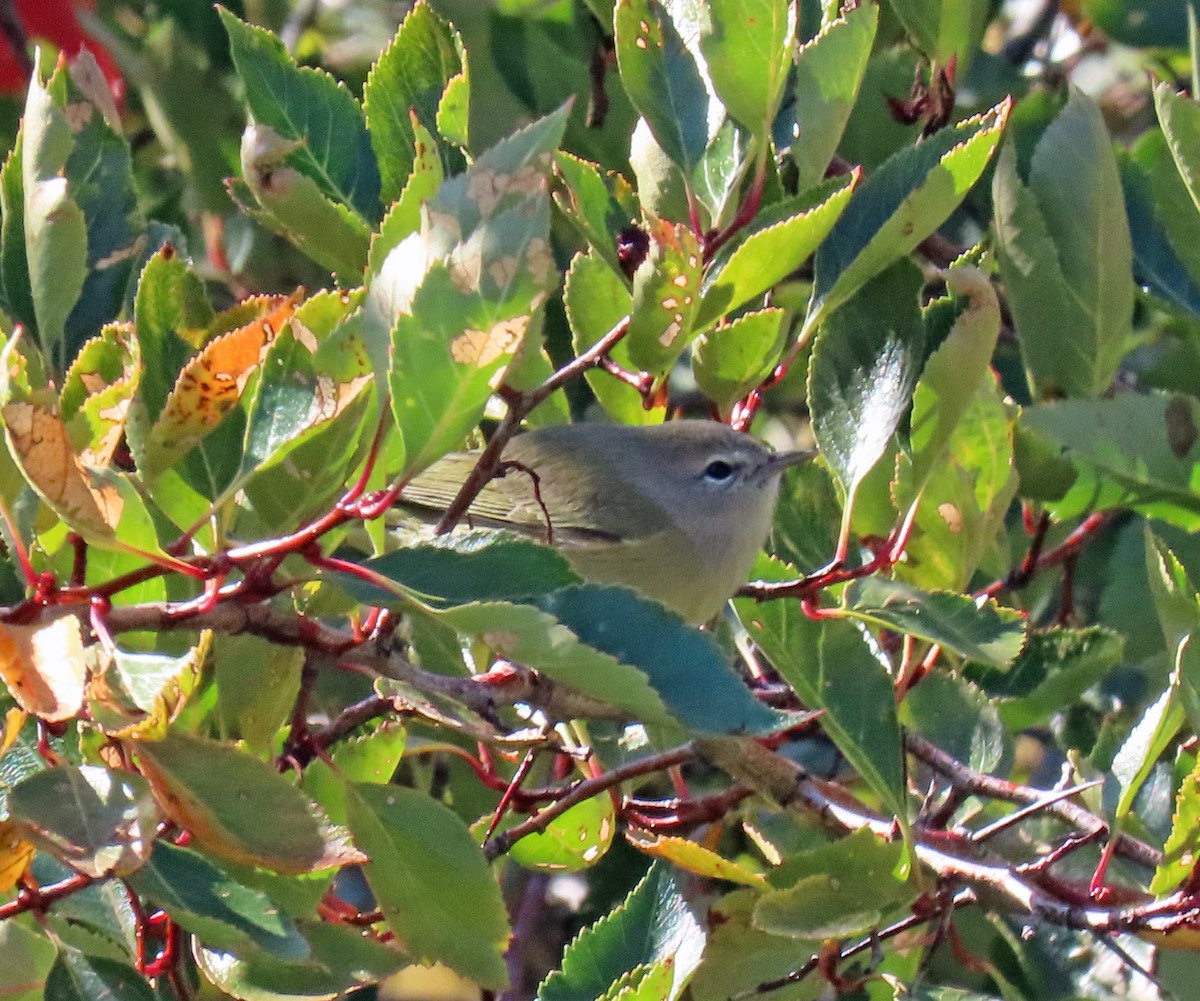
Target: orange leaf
44 667
15 855
14 719
212 383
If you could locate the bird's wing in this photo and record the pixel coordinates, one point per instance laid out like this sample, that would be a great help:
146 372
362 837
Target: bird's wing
509 501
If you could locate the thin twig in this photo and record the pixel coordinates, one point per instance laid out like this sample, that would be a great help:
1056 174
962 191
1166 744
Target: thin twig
583 790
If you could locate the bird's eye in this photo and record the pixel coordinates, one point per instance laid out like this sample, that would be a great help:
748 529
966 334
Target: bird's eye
718 471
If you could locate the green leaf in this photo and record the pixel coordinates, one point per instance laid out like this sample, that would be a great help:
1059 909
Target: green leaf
99 821
369 757
1180 120
1146 742
960 513
779 240
1131 450
461 567
953 374
943 31
574 840
77 976
308 109
717 179
807 516
830 666
654 923
666 294
257 684
684 665
342 960
1056 667
536 639
596 300
55 228
17 299
862 374
430 880
206 901
1174 595
404 217
1162 222
171 316
408 79
960 719
735 358
1179 858
829 72
1063 243
592 204
454 109
748 49
99 176
990 634
840 890
26 957
298 394
662 78
293 204
221 795
463 290
899 205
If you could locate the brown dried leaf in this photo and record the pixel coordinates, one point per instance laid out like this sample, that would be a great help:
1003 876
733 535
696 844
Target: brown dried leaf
44 667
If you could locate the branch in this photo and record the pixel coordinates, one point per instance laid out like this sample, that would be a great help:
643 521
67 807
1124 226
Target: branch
950 857
520 405
482 694
585 789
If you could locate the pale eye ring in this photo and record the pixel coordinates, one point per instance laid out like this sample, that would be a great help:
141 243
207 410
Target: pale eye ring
718 471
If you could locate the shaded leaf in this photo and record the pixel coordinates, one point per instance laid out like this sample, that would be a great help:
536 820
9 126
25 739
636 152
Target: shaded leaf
829 72
221 796
989 634
1065 253
684 665
99 821
430 880
206 901
662 78
654 923
465 566
900 204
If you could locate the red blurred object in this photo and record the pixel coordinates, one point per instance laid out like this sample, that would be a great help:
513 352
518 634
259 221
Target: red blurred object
56 22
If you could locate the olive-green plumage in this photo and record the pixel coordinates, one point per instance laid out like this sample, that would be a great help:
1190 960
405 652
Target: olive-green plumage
678 511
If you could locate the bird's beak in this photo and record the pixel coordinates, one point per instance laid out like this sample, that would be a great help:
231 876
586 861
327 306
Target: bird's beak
782 460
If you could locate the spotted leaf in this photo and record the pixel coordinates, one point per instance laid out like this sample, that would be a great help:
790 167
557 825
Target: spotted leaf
666 292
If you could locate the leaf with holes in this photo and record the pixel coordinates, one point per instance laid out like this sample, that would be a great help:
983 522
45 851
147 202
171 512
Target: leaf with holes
666 294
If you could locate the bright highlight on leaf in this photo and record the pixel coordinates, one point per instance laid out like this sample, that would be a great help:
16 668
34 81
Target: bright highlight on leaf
44 667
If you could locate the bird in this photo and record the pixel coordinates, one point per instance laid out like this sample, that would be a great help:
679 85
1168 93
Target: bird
677 511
